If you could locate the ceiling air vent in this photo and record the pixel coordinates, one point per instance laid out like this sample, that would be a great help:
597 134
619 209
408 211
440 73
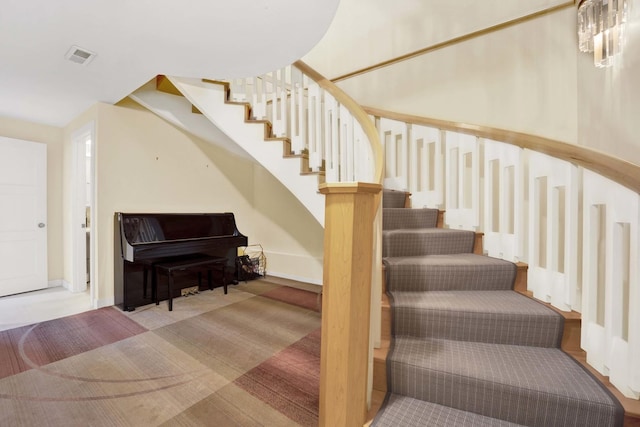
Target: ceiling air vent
79 55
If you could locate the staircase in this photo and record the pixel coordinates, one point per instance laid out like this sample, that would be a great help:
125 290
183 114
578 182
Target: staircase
204 108
466 349
290 113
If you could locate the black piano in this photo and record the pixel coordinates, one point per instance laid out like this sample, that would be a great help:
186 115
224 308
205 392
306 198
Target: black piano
142 240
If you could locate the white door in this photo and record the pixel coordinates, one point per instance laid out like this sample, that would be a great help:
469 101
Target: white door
23 215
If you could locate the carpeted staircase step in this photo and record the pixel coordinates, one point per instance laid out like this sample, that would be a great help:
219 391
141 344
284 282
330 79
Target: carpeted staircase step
426 241
501 317
524 385
402 218
408 412
393 198
448 272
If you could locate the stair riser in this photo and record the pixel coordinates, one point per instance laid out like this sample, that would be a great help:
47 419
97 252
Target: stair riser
395 219
468 394
520 284
478 248
406 244
536 331
571 335
385 332
396 199
380 374
445 278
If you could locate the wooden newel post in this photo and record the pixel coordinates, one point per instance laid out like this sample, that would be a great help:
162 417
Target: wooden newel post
346 299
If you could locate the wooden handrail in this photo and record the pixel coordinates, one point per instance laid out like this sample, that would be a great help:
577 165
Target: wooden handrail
356 110
618 170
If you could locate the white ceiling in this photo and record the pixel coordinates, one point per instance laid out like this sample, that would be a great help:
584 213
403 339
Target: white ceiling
138 39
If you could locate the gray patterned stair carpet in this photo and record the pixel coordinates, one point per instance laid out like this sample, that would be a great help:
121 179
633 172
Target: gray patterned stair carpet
466 349
406 411
426 241
434 273
396 218
502 317
393 199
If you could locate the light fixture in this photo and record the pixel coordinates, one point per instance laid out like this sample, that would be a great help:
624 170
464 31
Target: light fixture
601 28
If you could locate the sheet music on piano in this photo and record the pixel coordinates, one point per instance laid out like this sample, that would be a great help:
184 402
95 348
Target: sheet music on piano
144 239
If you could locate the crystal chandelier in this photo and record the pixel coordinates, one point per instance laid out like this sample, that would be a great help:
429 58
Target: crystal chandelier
600 29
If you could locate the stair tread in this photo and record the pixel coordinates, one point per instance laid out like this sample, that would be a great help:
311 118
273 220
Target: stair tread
546 370
426 241
455 260
498 302
394 218
428 231
393 198
406 411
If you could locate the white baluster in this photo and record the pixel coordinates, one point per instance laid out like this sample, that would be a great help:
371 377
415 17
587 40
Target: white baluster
276 111
427 184
554 253
315 124
297 110
347 173
331 138
259 103
393 136
463 181
611 282
504 192
363 155
283 103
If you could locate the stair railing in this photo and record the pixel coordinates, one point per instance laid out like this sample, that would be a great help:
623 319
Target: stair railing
571 213
340 140
320 120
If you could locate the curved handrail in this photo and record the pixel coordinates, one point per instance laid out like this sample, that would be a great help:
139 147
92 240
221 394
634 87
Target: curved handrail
356 110
614 168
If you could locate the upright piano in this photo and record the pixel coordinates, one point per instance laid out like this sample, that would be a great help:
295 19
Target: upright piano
142 240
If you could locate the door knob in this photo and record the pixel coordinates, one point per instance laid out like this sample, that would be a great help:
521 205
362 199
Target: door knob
41 225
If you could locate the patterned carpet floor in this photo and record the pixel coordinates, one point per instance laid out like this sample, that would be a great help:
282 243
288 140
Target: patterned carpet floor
248 358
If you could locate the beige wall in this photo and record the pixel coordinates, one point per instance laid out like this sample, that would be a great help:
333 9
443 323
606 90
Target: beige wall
53 137
609 99
522 78
145 164
291 237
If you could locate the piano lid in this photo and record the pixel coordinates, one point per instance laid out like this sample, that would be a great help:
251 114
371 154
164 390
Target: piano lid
149 228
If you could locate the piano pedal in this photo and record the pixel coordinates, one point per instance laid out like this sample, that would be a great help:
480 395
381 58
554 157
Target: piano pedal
185 292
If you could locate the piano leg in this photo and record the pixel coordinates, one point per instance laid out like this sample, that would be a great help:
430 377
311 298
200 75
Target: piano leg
224 278
170 286
144 281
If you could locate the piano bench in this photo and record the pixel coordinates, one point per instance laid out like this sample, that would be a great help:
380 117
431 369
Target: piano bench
198 264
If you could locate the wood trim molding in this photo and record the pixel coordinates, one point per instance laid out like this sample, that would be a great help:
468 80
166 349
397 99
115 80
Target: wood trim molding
356 110
616 169
455 40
